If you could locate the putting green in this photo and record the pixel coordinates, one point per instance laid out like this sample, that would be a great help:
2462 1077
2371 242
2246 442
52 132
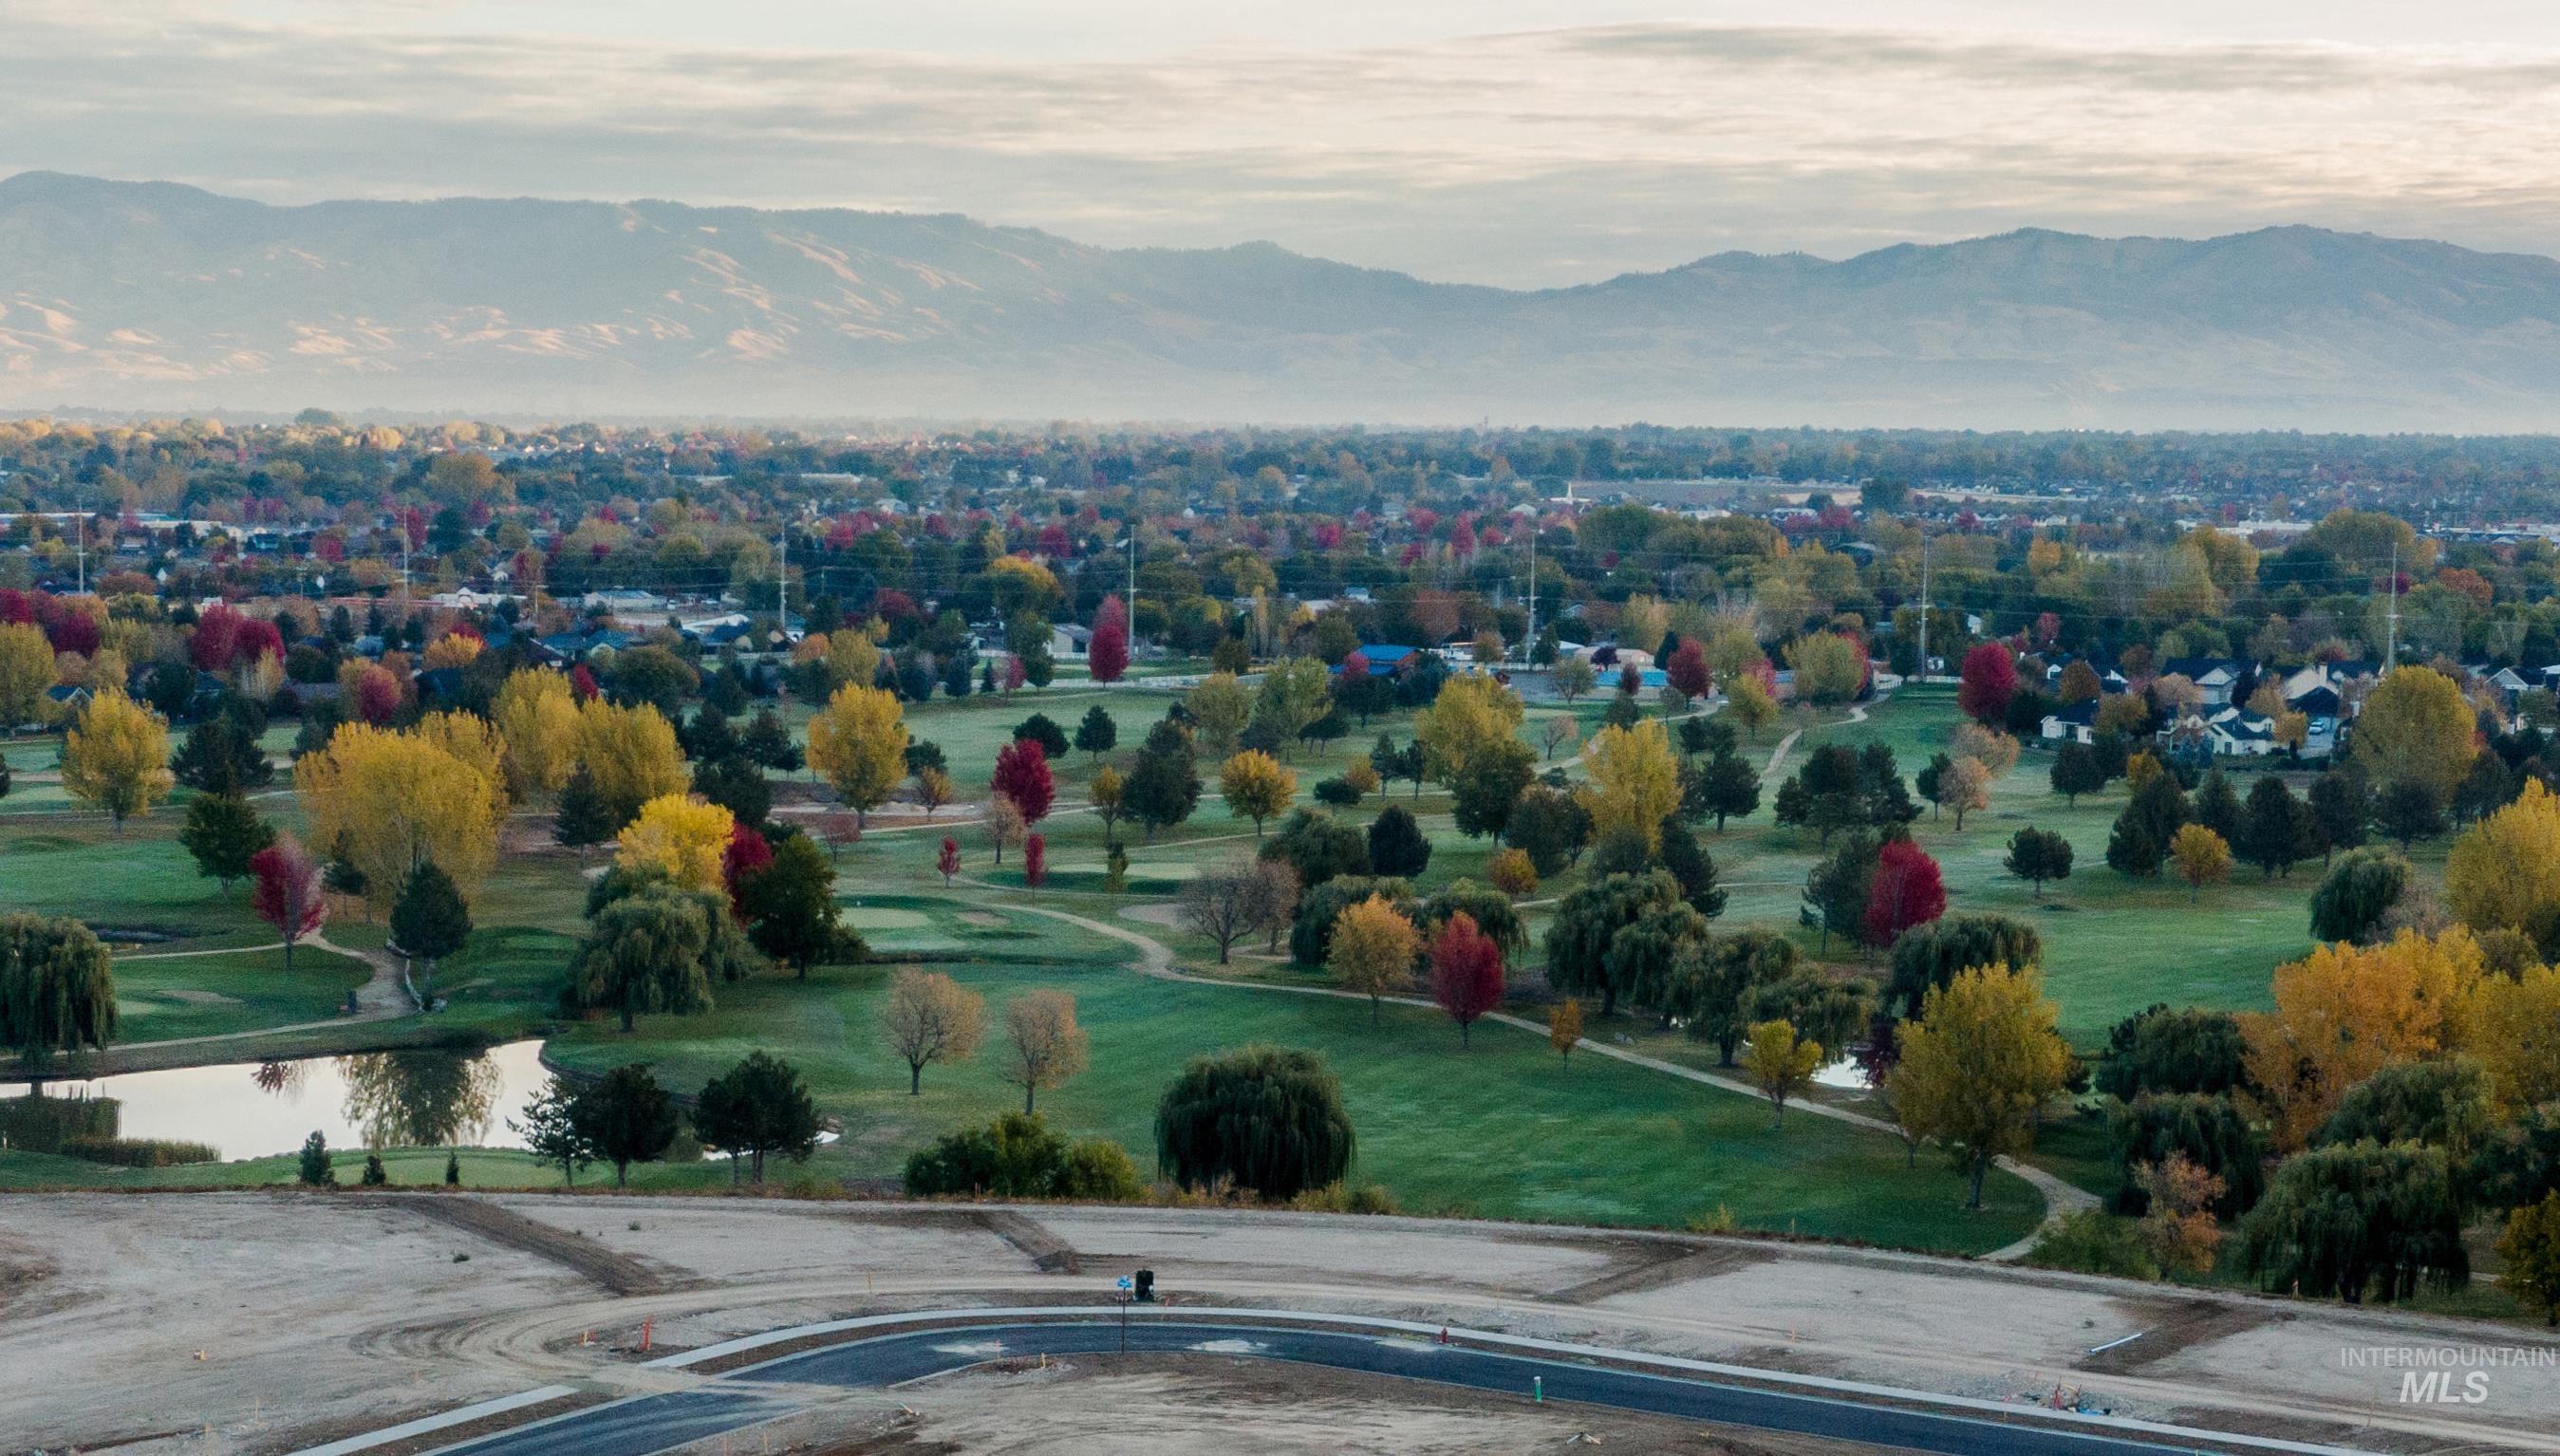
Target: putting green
869 918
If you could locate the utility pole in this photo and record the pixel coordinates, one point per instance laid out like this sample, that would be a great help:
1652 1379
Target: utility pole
1130 606
79 528
403 518
2391 584
782 580
1531 646
1924 603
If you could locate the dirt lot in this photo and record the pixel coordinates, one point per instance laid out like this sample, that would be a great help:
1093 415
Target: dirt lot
258 1322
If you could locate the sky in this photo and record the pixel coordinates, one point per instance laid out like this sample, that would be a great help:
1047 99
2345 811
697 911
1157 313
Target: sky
1518 142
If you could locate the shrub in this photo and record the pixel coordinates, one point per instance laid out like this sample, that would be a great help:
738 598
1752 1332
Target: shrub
141 1152
1338 792
1016 1156
2094 1242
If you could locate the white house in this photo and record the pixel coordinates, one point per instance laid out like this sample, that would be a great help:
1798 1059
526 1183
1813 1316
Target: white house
2076 723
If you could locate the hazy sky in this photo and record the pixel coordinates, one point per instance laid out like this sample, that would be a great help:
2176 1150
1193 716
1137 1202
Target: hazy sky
1509 141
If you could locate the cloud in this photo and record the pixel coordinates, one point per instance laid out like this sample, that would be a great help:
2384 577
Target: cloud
1533 156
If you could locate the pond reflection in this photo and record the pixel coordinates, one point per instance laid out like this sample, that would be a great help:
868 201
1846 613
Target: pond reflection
425 1097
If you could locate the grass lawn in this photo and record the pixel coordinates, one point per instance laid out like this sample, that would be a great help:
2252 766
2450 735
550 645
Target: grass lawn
1502 1130
159 998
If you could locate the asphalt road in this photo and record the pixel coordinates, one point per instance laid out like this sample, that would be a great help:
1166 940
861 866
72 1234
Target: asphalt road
745 1397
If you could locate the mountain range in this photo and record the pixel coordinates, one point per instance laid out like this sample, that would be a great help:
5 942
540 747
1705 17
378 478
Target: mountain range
157 296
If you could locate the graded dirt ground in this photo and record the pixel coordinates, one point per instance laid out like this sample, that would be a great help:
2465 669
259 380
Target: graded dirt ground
267 1322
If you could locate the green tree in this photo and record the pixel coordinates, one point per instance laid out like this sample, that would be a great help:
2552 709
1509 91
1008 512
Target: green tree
1396 843
1550 826
2530 1250
429 921
314 1170
57 988
1588 921
626 1118
1835 889
2038 855
1695 869
2358 1220
2217 807
647 950
2276 828
2357 892
1097 735
551 1130
2210 1132
2172 1050
1487 783
583 817
1713 982
756 1108
1927 957
1319 847
2341 802
791 911
223 834
1729 789
1263 1118
2150 819
2077 771
1163 786
2410 810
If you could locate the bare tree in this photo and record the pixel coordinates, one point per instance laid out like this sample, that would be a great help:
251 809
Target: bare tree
931 1018
1222 904
1044 1045
1559 732
1275 898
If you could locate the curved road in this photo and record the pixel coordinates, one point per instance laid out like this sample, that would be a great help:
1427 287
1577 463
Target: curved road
757 1393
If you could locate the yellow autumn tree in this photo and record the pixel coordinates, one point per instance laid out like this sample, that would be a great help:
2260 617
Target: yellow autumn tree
1470 712
1635 781
681 836
1372 950
2505 871
117 756
453 649
631 754
2344 1012
2513 1028
26 671
1256 787
536 712
2415 725
860 743
388 802
470 738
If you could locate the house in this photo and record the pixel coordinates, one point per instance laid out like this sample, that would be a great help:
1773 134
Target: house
2238 732
2109 679
1069 642
2077 723
2215 675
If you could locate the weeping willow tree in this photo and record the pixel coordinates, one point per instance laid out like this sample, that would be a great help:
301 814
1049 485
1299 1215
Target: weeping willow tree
57 989
655 948
1263 1118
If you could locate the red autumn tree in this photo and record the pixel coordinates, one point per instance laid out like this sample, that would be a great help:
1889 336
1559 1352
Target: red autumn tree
1015 677
1022 775
1989 679
1466 972
949 861
378 694
748 851
257 639
1035 860
1107 657
217 636
1688 670
1906 892
285 891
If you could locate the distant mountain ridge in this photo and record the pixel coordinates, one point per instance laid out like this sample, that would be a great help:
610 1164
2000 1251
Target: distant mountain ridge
162 296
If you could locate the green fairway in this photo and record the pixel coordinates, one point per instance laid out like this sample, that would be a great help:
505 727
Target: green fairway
163 997
1502 1130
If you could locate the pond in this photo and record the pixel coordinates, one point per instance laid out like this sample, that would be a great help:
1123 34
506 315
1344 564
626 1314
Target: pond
422 1097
